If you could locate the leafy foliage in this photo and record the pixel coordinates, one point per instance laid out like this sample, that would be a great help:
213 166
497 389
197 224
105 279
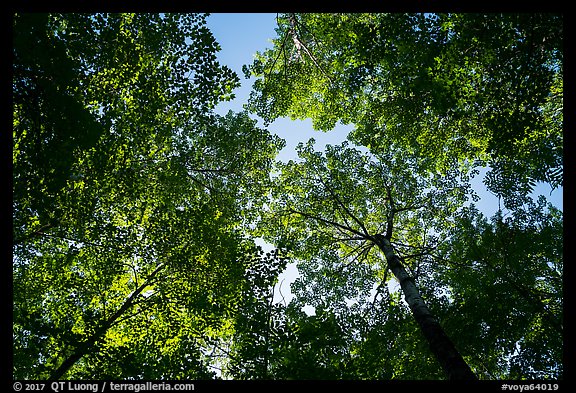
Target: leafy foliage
91 87
328 211
501 282
128 233
484 88
360 192
504 280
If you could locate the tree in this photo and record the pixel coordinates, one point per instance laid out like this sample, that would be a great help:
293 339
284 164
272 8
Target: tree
131 198
495 287
486 89
337 207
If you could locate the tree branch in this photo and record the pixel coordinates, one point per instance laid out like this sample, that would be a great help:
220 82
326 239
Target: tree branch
84 347
339 201
296 37
390 218
364 249
359 247
281 47
325 221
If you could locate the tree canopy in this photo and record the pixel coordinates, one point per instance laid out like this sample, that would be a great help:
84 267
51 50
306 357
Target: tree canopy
150 232
129 195
486 89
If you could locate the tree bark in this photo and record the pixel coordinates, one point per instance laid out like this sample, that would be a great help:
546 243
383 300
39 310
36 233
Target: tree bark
454 366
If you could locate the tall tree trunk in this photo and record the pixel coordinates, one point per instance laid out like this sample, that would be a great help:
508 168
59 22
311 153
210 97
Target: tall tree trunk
454 366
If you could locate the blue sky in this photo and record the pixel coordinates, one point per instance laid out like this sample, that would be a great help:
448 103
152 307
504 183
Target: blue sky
240 36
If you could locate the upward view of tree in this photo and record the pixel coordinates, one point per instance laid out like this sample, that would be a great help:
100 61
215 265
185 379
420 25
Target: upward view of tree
478 295
138 211
340 207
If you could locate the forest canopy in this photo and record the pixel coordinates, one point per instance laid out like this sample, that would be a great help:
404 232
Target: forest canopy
149 232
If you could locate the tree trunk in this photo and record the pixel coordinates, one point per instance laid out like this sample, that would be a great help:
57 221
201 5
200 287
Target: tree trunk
454 366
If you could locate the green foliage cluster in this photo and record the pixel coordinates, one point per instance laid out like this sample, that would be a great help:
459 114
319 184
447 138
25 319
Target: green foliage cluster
475 87
137 211
505 287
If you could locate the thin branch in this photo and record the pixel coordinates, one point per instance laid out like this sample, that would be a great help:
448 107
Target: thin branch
296 33
428 248
343 232
411 207
281 46
411 256
316 40
130 300
346 239
214 367
129 316
133 271
206 170
343 217
286 61
339 201
280 292
357 248
377 292
325 221
225 351
381 285
209 188
363 254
